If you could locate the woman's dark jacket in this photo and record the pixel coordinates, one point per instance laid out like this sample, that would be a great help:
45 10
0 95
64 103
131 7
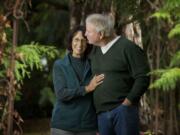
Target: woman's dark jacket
73 110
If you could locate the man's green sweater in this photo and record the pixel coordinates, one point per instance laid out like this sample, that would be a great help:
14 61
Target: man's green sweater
125 67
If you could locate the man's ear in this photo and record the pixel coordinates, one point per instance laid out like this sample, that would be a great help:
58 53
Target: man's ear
101 35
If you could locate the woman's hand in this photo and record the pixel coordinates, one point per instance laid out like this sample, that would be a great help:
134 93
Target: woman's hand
95 81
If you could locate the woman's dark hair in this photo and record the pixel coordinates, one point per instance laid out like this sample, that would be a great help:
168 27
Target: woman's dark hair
72 33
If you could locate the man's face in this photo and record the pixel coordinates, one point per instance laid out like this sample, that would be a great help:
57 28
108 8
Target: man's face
92 35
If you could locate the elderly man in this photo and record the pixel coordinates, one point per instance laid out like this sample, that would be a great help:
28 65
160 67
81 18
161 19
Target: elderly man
125 67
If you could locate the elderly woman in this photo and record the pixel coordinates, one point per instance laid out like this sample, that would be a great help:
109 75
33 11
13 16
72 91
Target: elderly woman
73 113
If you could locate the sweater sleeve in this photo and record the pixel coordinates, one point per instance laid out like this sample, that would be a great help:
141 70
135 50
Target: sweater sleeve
62 92
139 69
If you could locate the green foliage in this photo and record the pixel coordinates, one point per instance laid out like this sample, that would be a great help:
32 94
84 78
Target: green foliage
168 79
175 31
162 14
31 58
148 133
18 95
171 4
48 24
28 57
175 60
171 12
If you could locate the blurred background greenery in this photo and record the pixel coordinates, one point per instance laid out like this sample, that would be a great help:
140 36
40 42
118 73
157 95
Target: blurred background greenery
42 34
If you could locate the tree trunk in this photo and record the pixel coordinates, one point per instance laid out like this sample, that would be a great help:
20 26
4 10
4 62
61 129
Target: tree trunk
11 92
75 12
133 32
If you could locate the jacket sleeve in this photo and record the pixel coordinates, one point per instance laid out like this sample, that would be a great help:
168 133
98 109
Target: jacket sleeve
139 69
62 92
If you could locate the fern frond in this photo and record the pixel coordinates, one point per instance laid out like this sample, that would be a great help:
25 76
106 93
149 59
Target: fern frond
172 4
175 31
168 80
162 14
157 72
31 58
175 61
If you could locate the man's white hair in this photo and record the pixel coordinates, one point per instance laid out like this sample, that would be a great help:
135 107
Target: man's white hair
102 23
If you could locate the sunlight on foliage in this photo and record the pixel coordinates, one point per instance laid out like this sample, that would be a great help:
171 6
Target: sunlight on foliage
171 4
168 79
171 12
162 15
148 133
28 57
175 31
175 60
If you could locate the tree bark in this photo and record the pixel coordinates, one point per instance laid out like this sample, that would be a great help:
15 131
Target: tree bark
11 91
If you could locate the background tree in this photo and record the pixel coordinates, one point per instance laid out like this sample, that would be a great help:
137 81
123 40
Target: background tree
16 67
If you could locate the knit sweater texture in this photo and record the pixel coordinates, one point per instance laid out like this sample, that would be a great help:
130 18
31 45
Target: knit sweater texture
125 67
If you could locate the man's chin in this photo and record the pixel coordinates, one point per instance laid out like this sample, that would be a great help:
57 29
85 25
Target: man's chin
89 42
92 43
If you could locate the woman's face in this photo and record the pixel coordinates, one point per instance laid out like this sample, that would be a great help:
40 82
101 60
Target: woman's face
79 45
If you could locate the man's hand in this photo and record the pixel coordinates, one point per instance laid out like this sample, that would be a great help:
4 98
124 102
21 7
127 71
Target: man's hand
126 102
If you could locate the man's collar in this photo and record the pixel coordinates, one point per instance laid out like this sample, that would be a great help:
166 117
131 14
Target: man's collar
105 48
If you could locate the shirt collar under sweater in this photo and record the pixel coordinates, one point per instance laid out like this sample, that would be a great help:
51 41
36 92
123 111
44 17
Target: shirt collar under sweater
105 48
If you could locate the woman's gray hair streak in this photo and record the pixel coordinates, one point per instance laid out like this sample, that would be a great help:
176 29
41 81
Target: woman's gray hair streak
103 23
